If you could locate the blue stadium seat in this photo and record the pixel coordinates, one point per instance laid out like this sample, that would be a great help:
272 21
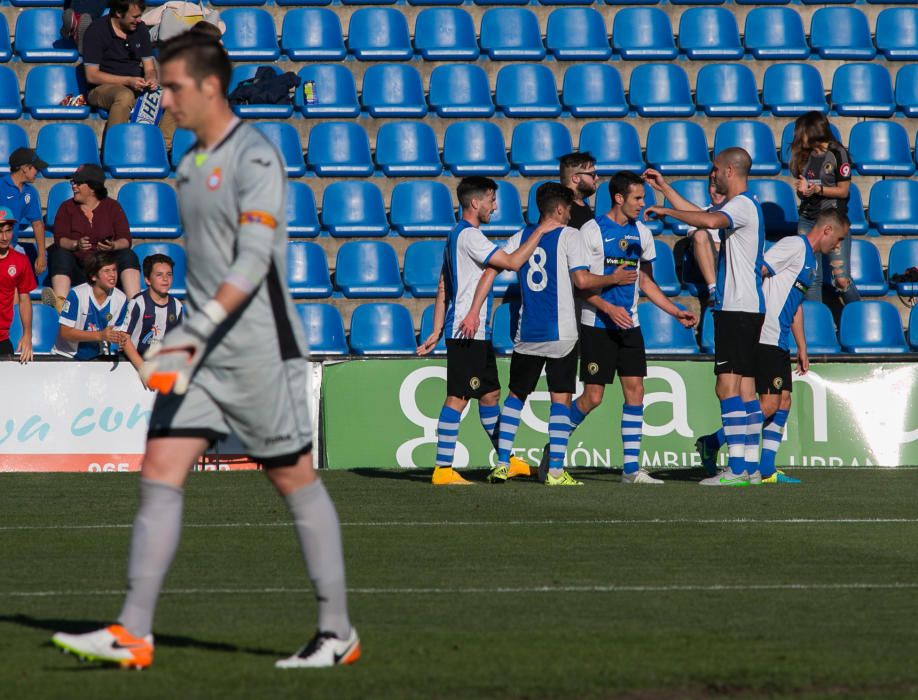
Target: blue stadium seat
532 208
871 327
893 207
422 209
792 89
250 34
339 149
537 145
334 92
660 90
779 206
324 329
59 193
907 90
678 148
577 34
247 71
46 86
508 219
295 3
302 218
867 269
65 147
527 90
643 34
287 141
174 251
664 270
379 34
511 34
6 48
775 33
507 284
307 271
134 150
503 326
862 90
755 137
10 107
45 323
614 144
460 90
427 318
407 149
312 34
709 33
593 90
664 334
475 148
856 215
604 204
38 38
897 33
787 137
727 90
902 256
819 330
12 136
841 33
232 3
354 209
695 191
382 329
445 34
368 269
182 141
423 263
880 148
151 209
392 90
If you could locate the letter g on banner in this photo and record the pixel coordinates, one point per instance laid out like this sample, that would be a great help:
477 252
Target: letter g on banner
407 398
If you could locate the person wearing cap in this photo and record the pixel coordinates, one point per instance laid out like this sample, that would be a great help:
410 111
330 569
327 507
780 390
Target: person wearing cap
89 222
19 196
16 281
118 55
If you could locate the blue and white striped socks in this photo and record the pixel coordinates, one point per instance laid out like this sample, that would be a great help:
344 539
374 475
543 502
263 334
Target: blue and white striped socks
733 415
754 419
559 430
489 416
632 427
771 441
509 423
577 416
447 434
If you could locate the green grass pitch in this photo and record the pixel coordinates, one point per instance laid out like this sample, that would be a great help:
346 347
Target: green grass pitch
513 591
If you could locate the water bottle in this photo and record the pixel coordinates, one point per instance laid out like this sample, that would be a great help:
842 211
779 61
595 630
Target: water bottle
309 92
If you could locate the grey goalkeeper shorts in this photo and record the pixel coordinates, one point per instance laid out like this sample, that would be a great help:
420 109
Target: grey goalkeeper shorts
265 406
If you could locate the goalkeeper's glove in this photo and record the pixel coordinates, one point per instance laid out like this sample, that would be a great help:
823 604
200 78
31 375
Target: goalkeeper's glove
169 366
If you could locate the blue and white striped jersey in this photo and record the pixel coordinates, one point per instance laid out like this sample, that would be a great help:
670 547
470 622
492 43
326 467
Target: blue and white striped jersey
148 322
464 259
792 265
82 312
739 280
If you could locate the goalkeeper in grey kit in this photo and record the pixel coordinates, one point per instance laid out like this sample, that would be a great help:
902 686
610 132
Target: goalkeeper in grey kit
238 364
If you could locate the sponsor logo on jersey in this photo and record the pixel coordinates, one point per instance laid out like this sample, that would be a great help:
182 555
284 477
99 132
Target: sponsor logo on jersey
214 179
844 170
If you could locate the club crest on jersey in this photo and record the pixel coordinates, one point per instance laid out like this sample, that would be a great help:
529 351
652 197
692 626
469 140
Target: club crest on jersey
623 244
27 198
11 270
827 168
592 368
171 318
214 179
475 383
108 317
844 170
777 383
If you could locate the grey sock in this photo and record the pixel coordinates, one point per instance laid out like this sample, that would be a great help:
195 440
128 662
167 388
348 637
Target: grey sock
319 533
154 541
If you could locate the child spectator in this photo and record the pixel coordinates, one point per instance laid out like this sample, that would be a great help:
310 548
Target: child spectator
154 312
16 282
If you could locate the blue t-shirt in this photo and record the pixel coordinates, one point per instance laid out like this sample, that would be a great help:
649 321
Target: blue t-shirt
25 204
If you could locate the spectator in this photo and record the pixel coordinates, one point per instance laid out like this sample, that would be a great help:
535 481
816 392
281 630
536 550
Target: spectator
76 18
822 168
16 282
153 313
118 56
578 174
89 222
18 195
93 317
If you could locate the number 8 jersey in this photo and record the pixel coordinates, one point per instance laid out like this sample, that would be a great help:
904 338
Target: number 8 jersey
548 316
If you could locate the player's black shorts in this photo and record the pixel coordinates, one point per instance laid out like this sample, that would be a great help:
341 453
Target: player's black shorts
773 374
525 371
605 351
736 342
471 368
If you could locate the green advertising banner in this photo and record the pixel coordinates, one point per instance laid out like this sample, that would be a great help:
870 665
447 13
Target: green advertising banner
383 413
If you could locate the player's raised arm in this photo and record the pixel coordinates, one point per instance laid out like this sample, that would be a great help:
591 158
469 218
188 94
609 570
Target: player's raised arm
658 182
695 218
507 260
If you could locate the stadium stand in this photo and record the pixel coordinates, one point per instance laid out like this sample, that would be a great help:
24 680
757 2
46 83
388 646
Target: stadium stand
151 209
249 35
508 219
897 33
727 90
324 328
339 149
511 34
423 263
354 208
709 33
368 270
695 191
307 271
537 145
660 90
334 92
779 206
379 34
893 207
380 328
756 138
38 38
475 148
866 269
664 270
445 34
257 111
664 334
65 147
643 34
678 148
775 33
527 91
792 89
903 255
458 90
880 148
819 330
594 90
393 90
841 33
44 328
46 86
614 144
862 90
871 327
10 107
302 218
133 150
407 149
312 34
577 34
12 136
57 195
285 138
427 318
6 46
501 334
907 90
422 209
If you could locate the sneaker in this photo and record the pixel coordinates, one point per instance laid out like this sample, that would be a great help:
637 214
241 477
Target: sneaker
323 650
564 480
543 464
780 477
518 468
755 478
112 644
639 477
726 478
70 20
499 474
49 298
708 455
447 476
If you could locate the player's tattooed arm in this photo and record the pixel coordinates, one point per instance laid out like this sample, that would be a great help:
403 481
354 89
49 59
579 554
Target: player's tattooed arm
439 316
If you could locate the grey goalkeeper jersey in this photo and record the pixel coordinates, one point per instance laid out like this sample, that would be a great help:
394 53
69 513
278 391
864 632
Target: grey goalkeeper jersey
232 203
